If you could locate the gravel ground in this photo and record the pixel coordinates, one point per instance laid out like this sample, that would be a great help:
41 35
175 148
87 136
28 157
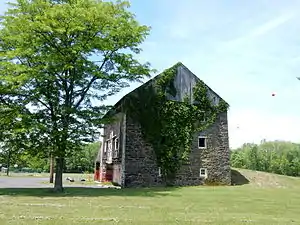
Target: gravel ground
23 182
37 182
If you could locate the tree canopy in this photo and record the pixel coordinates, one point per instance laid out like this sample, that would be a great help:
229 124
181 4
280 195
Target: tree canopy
81 161
274 156
59 60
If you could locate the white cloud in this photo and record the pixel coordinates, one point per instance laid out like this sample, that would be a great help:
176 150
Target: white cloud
254 125
263 29
271 25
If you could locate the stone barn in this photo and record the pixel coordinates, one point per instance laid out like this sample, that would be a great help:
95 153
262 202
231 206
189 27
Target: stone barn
126 157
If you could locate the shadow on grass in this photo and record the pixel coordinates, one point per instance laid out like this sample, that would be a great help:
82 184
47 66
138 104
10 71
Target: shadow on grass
237 178
89 192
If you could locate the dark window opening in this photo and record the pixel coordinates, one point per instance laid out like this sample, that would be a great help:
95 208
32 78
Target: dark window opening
117 144
114 144
97 165
202 142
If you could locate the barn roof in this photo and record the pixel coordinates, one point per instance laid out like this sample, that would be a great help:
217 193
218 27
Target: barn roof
177 65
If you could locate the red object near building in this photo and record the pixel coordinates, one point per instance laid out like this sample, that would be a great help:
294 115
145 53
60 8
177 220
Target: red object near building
97 175
109 173
97 172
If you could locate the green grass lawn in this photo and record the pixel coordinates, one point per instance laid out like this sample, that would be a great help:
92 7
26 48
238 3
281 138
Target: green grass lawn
262 199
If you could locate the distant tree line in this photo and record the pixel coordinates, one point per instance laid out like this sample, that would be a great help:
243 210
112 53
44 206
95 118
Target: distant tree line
278 157
80 161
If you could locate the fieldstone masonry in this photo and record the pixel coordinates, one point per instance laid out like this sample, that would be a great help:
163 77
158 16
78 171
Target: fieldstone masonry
140 162
140 168
216 157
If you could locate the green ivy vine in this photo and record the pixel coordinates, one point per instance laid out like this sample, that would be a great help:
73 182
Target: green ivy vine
169 126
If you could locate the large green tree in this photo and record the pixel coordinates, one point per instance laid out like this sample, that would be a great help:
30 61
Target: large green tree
59 59
274 156
12 133
83 160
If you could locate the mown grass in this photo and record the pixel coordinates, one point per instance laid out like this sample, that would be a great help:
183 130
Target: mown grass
266 199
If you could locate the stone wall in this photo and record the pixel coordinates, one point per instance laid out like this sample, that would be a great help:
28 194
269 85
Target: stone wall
140 161
216 157
117 173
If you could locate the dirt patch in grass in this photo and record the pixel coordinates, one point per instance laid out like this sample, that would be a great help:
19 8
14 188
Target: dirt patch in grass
263 179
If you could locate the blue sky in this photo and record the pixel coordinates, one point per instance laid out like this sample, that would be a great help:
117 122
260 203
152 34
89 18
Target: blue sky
244 50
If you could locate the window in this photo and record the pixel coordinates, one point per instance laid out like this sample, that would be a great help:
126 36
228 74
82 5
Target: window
114 143
215 99
111 135
201 142
106 146
203 173
159 171
117 144
116 147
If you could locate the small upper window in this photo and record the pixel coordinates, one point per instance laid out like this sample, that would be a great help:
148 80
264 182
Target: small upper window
201 142
203 173
159 171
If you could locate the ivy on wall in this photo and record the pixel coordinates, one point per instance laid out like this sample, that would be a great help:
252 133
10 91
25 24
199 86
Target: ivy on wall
169 126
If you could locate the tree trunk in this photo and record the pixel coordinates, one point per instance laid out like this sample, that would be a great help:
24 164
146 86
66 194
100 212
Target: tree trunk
51 168
8 162
58 184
